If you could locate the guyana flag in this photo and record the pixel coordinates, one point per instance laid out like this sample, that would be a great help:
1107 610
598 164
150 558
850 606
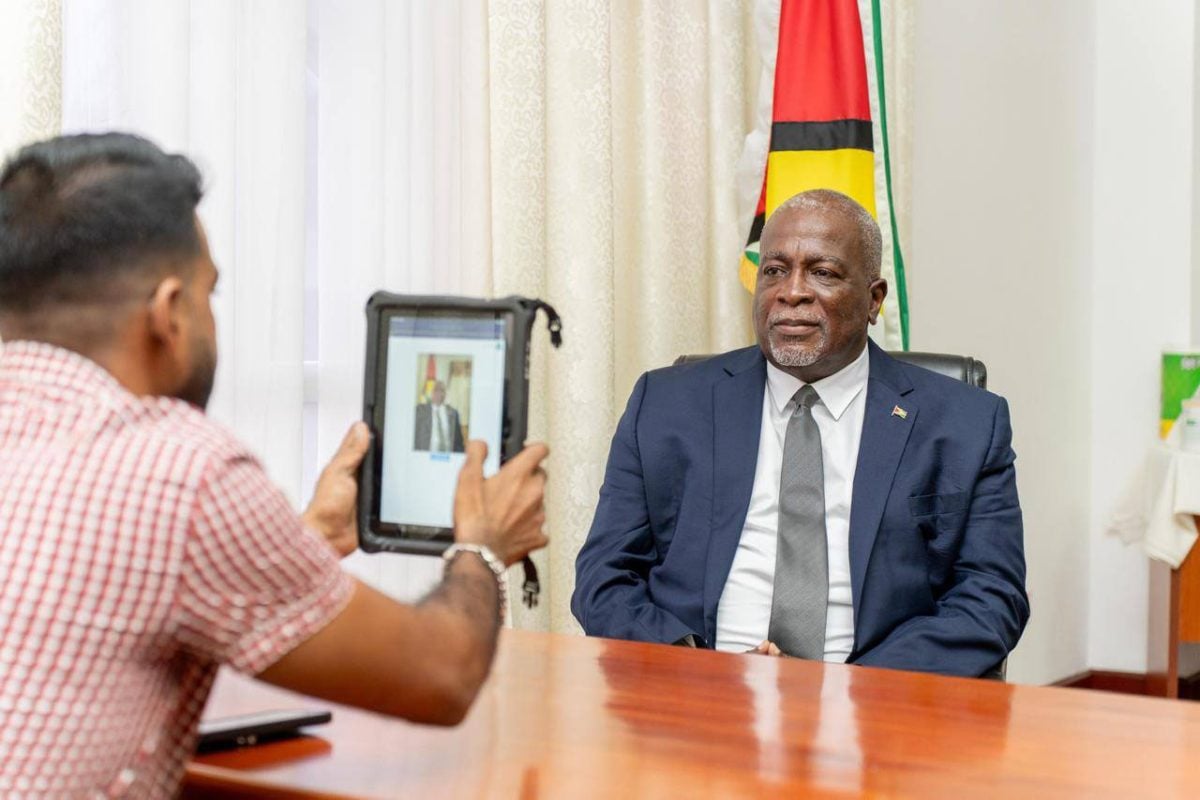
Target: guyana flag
828 128
430 377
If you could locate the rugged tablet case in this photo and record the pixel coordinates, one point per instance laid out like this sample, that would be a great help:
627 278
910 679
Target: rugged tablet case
523 313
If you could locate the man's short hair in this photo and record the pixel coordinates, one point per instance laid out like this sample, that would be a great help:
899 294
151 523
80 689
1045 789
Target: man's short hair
869 238
81 215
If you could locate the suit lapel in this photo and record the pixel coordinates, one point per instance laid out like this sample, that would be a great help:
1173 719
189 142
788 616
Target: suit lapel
737 423
890 413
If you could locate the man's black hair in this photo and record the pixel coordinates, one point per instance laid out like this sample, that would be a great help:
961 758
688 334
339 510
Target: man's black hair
81 215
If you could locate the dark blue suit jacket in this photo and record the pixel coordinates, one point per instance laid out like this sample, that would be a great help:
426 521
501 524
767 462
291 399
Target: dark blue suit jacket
937 560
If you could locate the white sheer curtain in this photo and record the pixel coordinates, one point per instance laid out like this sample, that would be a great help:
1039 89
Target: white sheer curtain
344 146
402 192
223 82
30 75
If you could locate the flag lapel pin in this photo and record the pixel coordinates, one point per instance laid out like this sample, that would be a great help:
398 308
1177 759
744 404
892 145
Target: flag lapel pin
897 411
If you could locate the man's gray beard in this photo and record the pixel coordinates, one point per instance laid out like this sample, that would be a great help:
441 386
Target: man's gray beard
796 355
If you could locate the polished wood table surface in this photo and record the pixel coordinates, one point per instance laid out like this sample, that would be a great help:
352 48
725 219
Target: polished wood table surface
565 716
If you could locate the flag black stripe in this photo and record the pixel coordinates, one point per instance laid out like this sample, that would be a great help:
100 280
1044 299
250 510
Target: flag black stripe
756 229
840 134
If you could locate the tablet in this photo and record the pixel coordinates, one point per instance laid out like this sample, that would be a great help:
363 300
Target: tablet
440 371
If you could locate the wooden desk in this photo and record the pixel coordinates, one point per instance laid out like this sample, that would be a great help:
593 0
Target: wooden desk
572 717
1174 620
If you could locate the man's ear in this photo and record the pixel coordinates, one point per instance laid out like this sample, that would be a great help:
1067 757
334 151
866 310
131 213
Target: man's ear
165 310
879 289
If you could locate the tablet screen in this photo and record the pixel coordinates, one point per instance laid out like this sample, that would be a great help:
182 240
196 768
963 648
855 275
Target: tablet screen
444 386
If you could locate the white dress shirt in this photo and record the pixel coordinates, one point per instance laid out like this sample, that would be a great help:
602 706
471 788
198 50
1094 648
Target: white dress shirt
439 432
744 612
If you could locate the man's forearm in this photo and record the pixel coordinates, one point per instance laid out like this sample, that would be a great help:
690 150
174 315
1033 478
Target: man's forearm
956 640
465 608
469 587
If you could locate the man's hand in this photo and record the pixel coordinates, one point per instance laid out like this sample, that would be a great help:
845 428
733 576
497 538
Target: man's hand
767 649
332 512
505 513
424 662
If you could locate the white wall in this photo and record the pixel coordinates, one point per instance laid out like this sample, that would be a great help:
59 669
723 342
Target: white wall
1053 222
1140 281
1000 265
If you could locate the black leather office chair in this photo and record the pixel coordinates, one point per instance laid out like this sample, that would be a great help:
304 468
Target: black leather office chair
961 368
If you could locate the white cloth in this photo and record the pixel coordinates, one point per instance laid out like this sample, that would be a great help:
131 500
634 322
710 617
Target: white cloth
744 612
1158 504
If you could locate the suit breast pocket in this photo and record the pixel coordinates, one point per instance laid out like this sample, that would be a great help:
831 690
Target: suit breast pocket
941 520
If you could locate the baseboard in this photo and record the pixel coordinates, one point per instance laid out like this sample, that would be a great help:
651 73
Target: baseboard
1080 680
1104 680
1108 681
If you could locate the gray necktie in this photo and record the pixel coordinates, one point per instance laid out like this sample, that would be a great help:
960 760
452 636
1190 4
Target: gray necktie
801 558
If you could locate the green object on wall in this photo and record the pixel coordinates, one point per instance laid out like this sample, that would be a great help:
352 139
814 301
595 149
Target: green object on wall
1180 380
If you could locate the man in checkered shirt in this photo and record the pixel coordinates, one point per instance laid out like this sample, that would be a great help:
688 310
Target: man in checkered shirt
141 545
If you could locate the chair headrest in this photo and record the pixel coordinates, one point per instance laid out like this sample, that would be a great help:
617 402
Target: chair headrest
961 368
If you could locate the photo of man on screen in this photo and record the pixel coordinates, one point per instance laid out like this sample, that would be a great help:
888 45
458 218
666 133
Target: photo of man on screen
438 426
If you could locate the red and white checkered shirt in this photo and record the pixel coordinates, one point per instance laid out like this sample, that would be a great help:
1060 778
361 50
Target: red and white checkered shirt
140 547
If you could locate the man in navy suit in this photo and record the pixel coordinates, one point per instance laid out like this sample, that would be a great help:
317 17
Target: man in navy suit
811 496
437 426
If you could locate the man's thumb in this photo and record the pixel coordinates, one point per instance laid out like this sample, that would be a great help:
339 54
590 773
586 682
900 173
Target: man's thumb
353 447
477 450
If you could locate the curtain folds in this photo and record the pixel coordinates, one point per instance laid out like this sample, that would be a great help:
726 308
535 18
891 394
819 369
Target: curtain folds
402 198
616 130
223 82
345 149
30 72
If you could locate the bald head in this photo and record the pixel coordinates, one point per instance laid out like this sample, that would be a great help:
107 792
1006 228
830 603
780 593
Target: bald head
818 284
827 201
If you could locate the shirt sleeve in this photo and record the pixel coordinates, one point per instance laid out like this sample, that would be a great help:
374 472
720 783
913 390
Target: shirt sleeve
254 582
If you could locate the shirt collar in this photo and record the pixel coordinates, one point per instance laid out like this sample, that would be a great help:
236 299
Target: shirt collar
55 369
836 391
